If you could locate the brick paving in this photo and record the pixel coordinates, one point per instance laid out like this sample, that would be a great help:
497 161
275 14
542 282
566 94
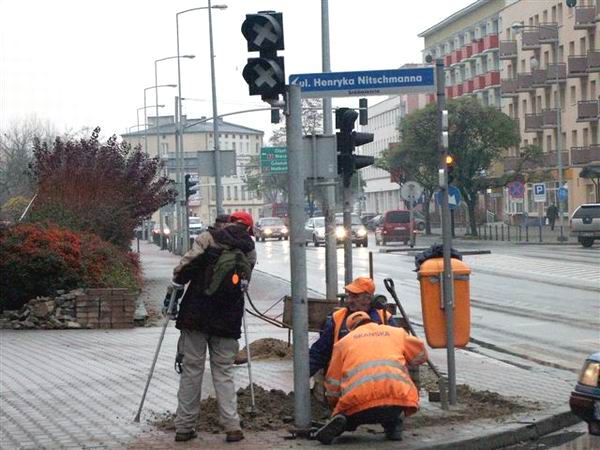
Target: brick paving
81 388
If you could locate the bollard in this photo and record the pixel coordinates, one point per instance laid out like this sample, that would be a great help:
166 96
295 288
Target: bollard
540 229
138 243
520 233
479 232
508 233
526 233
485 232
502 230
496 231
562 236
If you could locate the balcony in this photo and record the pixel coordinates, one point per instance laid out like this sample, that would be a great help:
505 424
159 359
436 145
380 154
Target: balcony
531 40
525 82
547 160
456 57
533 122
478 82
457 90
585 155
468 87
477 47
550 118
508 88
559 69
467 51
508 50
587 111
549 32
578 66
490 42
448 60
594 60
492 79
540 76
585 17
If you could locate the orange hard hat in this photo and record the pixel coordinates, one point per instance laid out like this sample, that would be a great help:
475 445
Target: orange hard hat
356 318
361 285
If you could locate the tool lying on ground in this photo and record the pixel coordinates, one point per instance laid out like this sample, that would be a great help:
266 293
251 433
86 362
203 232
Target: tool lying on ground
175 291
244 287
389 285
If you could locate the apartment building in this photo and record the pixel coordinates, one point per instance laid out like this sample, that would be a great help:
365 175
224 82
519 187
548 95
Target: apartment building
198 136
550 78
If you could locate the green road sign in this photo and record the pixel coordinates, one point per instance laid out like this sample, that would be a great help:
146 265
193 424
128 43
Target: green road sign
273 160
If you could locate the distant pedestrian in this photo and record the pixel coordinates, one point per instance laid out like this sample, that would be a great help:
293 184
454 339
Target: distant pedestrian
552 215
211 317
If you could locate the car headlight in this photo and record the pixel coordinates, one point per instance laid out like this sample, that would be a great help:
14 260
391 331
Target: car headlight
590 373
340 233
284 230
268 231
166 231
361 232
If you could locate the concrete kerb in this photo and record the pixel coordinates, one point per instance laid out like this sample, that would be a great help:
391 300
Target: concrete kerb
531 428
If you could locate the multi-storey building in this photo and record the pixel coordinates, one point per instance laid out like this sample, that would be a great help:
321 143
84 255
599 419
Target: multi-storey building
536 82
198 136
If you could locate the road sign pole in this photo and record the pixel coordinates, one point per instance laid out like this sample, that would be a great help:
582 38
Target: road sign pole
348 233
302 417
412 216
448 283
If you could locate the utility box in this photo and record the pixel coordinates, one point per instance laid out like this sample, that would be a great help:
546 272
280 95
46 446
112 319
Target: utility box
318 310
432 302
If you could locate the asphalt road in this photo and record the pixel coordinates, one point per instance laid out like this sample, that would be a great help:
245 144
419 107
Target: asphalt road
537 306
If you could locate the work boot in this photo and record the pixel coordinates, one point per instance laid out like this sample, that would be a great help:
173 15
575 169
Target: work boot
332 429
182 436
234 436
394 433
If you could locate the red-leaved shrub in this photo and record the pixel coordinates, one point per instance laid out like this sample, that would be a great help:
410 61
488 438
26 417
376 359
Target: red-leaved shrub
40 258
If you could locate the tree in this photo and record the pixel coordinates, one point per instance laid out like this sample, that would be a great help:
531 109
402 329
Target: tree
103 188
416 157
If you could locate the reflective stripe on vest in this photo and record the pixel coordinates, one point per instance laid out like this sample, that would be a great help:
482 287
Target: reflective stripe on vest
339 316
375 377
371 364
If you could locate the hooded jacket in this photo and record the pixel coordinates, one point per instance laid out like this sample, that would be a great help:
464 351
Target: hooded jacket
214 315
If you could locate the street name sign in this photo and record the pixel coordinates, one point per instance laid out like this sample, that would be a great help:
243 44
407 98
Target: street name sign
539 192
454 197
364 83
273 160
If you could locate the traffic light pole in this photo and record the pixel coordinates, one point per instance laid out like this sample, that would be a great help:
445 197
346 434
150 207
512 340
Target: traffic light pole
302 417
331 279
448 282
348 231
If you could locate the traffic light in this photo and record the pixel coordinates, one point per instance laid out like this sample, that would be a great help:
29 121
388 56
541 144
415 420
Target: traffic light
450 165
265 75
347 141
191 186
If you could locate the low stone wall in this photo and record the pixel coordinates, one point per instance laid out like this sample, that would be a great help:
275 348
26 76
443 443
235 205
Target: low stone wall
89 308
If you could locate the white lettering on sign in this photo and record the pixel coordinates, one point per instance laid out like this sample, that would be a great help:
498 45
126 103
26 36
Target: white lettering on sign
384 79
340 82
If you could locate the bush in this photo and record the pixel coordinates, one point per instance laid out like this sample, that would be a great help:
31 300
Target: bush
40 258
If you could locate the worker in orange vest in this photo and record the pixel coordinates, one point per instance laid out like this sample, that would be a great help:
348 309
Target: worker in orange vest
368 382
359 297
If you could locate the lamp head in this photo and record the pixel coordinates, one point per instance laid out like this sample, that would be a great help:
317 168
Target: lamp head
189 56
517 27
219 6
170 85
534 63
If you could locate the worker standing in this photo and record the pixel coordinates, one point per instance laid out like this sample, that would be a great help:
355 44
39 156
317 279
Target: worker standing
211 317
368 382
359 297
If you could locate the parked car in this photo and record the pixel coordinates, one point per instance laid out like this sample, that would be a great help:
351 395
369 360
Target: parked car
195 226
366 217
585 399
270 228
394 226
585 223
314 230
372 223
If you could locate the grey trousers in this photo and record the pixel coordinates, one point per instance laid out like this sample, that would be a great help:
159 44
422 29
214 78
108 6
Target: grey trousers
222 352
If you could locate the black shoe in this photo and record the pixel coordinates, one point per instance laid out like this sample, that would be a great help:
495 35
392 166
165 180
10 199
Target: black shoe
182 436
332 429
394 433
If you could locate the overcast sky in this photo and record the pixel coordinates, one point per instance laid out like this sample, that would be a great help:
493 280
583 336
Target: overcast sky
80 63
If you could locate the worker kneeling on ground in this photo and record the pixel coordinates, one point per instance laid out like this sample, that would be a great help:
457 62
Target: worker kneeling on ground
368 382
359 297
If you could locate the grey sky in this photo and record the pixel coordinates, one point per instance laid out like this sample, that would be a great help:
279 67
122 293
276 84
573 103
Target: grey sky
81 63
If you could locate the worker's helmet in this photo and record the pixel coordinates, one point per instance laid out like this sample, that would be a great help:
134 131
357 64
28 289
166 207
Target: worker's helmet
356 319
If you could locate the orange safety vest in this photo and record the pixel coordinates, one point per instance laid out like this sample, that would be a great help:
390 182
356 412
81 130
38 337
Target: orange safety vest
368 370
340 315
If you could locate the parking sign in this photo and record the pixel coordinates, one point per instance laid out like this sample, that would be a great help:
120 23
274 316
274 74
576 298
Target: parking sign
539 192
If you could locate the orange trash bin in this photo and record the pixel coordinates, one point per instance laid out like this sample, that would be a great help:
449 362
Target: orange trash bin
434 317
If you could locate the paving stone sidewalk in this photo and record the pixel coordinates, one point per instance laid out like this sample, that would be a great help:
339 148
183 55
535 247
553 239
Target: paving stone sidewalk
81 388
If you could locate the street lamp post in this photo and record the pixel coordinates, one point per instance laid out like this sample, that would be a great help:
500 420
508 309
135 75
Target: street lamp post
517 26
214 100
143 108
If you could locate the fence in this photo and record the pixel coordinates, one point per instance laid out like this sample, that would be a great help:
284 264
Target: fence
521 233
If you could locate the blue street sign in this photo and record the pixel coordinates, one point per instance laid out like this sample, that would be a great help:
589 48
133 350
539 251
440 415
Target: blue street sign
454 197
539 192
370 82
563 192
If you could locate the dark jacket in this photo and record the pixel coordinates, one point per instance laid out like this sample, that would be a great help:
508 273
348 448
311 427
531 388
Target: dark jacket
320 352
215 315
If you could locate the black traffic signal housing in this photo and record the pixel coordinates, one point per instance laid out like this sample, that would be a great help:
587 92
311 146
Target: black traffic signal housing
191 186
450 166
265 75
347 141
571 3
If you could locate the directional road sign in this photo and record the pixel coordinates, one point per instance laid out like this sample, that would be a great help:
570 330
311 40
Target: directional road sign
563 193
454 197
411 190
539 192
371 82
273 160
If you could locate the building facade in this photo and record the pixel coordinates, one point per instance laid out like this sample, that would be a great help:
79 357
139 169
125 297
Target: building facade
198 136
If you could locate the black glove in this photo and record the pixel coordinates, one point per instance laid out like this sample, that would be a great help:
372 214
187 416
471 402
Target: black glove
174 308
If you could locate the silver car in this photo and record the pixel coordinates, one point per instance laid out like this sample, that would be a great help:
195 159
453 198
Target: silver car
314 230
585 223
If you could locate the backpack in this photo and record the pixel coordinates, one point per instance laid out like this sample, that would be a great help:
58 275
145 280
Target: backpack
231 267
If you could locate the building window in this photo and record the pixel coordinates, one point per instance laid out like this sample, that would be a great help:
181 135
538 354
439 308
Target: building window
213 195
164 149
574 138
243 192
573 95
228 192
235 193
